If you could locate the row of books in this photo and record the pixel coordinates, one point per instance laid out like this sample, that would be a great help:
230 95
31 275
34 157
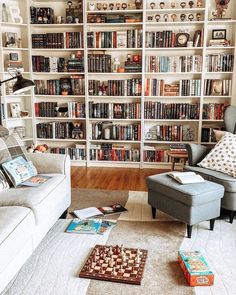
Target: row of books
119 39
60 130
208 135
58 40
152 154
114 152
159 110
219 62
99 63
112 131
169 132
217 87
213 111
163 64
51 109
115 110
156 87
157 39
129 87
67 86
57 64
76 153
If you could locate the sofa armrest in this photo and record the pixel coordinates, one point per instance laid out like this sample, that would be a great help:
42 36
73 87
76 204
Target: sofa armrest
196 152
46 163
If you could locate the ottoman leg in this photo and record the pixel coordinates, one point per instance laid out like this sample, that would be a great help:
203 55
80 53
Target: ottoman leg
154 210
231 218
212 223
189 230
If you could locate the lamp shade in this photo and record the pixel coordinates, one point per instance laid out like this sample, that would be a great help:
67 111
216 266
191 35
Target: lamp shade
22 85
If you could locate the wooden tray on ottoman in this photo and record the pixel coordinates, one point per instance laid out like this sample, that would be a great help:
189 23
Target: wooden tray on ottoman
116 264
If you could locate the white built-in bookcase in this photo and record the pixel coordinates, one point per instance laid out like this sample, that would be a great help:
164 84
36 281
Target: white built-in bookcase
25 52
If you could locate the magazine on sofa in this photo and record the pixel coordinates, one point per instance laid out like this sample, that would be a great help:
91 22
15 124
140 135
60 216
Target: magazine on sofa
35 181
94 211
186 177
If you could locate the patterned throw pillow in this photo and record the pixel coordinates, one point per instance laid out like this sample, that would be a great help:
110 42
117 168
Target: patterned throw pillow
222 157
11 146
3 182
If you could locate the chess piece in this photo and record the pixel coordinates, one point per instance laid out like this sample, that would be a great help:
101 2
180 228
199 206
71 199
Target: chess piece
162 5
99 6
152 5
191 3
173 17
111 6
190 17
124 6
157 17
182 16
198 16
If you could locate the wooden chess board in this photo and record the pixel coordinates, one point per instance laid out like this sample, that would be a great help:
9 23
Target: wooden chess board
116 264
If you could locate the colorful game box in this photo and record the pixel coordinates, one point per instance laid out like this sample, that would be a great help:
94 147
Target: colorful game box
195 268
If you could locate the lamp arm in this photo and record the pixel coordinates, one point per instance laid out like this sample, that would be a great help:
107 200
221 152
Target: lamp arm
4 81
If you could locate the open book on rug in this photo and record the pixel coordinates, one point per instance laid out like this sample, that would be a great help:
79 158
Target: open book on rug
94 211
186 177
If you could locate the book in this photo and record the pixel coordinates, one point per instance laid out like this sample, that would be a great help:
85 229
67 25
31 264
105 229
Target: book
35 181
84 226
105 225
94 211
186 177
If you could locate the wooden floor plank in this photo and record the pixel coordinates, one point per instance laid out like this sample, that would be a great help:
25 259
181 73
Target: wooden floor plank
111 178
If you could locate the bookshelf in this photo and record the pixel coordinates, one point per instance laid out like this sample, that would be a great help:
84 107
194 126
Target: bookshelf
143 87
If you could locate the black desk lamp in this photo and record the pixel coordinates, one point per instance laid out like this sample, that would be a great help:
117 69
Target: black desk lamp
20 86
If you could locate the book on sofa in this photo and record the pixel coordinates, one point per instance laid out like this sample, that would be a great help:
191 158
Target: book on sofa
94 211
186 177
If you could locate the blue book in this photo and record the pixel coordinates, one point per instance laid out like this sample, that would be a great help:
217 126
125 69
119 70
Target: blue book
84 226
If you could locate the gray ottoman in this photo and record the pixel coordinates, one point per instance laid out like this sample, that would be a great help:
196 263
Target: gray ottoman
190 203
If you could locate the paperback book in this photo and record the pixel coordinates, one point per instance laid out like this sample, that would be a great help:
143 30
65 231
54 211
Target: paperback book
90 226
186 177
93 211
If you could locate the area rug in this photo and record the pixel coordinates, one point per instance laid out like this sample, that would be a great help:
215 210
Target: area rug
54 266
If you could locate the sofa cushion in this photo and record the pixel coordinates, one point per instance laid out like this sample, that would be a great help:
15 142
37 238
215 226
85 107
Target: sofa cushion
35 198
11 146
222 157
226 180
16 227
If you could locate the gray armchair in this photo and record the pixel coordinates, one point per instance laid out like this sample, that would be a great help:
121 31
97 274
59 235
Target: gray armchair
197 152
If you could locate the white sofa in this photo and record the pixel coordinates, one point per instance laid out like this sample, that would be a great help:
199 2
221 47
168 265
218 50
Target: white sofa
26 214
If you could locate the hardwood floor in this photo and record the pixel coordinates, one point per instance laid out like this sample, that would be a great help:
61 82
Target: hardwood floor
111 178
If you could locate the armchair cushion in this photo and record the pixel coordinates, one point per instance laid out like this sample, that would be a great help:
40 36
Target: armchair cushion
196 153
222 157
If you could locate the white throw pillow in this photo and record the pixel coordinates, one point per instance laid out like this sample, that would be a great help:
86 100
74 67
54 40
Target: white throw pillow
222 157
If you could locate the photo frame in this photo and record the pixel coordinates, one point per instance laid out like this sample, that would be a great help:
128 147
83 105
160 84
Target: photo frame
14 56
219 34
15 109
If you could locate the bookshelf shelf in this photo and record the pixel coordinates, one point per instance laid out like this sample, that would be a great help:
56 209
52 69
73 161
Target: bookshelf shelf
97 34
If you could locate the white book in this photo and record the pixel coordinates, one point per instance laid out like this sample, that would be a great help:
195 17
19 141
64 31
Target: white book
186 177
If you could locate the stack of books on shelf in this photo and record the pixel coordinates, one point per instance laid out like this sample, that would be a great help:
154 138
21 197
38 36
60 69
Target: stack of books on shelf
178 148
76 153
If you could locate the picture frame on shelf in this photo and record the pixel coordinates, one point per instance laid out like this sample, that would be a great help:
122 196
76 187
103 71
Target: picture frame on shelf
219 34
11 39
14 56
15 110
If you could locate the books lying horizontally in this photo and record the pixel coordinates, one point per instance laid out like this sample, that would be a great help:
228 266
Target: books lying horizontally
94 211
90 226
186 177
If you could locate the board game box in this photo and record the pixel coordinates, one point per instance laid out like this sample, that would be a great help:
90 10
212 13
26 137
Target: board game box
195 268
116 264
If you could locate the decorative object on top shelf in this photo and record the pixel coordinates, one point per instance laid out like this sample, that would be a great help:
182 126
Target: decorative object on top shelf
199 3
172 5
183 4
11 14
152 5
219 34
221 8
92 6
191 3
219 38
162 5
